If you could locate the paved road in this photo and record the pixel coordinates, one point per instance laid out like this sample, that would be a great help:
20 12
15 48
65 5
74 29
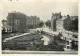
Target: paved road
65 34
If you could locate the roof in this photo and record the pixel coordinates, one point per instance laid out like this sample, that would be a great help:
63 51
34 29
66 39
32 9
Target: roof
20 15
61 19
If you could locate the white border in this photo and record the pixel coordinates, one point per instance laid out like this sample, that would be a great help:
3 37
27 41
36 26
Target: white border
39 1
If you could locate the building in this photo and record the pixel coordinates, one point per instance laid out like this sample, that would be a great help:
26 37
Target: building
32 21
59 25
21 22
73 17
54 18
18 21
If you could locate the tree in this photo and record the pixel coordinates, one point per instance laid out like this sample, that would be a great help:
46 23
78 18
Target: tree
71 25
41 24
75 24
68 23
48 23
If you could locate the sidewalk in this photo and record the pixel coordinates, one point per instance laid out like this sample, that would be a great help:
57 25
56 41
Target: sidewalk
68 37
49 31
10 38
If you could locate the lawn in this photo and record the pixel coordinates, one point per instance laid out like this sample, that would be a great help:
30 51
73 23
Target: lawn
7 35
29 37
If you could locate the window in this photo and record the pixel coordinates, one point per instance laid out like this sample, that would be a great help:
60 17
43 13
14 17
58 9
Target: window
13 20
12 23
13 28
9 20
9 23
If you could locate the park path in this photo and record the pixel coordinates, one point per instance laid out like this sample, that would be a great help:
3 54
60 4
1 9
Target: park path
10 38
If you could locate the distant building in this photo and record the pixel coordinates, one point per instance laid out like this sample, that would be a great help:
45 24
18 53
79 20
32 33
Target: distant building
73 17
54 18
20 22
60 24
17 20
32 21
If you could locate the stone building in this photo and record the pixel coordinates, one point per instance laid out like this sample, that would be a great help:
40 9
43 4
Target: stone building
21 22
17 20
32 22
54 18
60 24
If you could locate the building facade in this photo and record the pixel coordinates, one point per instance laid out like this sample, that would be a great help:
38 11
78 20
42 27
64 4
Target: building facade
17 20
60 24
21 22
54 18
32 22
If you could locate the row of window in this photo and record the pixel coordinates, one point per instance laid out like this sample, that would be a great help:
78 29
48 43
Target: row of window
23 23
11 23
23 40
25 20
16 24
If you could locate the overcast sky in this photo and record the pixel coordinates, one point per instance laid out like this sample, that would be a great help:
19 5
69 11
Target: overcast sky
42 10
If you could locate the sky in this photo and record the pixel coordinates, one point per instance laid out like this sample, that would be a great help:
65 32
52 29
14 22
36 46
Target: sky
43 10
